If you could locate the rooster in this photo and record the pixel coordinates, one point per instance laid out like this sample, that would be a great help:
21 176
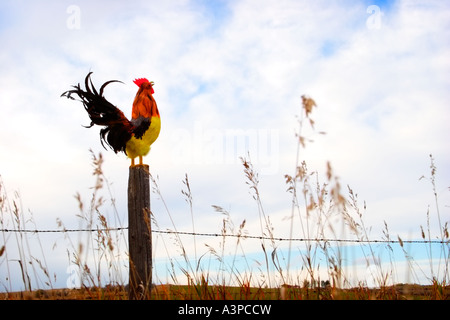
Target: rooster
133 137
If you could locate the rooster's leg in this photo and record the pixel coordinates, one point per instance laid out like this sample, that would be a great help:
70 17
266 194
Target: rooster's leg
132 162
140 160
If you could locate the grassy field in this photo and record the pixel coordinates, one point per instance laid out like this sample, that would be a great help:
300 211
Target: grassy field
205 292
324 210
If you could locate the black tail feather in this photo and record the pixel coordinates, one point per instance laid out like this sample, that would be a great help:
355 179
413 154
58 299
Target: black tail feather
118 129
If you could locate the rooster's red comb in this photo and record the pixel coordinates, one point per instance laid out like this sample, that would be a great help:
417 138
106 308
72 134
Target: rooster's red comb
140 81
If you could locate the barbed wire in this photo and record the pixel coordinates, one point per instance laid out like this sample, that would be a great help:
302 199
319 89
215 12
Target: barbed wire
243 236
62 230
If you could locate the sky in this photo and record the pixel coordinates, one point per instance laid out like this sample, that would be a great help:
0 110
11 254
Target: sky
229 76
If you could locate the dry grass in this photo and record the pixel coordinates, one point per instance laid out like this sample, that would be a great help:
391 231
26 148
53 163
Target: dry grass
318 210
216 292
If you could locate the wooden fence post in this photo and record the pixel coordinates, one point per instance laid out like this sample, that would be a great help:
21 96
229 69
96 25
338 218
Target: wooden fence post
139 233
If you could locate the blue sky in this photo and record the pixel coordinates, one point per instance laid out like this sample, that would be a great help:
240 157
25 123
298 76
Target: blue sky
229 76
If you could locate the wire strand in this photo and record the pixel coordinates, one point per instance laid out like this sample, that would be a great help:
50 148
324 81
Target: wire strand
228 235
